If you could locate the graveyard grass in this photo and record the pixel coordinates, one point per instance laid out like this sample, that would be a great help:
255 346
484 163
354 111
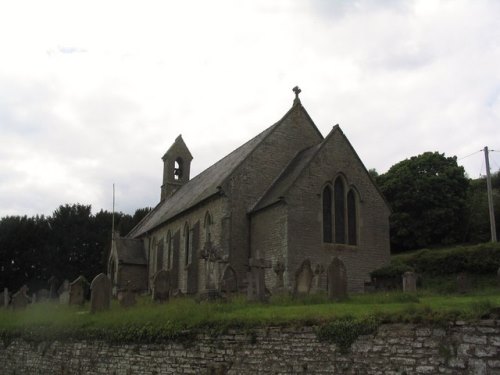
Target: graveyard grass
183 317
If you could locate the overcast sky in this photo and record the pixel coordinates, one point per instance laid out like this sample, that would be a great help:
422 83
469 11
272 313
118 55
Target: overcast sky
94 92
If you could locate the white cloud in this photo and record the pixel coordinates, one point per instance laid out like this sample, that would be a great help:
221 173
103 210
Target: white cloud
93 93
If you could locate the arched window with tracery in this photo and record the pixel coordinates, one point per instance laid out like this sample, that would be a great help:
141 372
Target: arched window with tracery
339 204
327 214
351 219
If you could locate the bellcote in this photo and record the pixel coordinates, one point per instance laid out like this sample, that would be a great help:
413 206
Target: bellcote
176 167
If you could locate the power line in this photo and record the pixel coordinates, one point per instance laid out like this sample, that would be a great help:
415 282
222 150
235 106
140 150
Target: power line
474 153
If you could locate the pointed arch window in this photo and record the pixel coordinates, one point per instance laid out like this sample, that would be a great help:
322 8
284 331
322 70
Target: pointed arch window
339 204
327 214
170 254
159 255
208 227
351 219
187 244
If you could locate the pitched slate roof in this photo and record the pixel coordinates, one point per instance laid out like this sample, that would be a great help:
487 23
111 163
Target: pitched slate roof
199 188
130 251
285 180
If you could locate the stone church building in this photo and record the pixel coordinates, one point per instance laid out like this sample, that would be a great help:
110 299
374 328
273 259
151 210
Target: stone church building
289 198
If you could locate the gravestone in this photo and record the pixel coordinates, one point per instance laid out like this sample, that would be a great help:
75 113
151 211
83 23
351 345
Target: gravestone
279 270
498 276
20 299
100 296
228 283
462 282
78 290
318 281
337 280
303 278
64 293
128 297
409 282
4 297
53 283
161 286
256 290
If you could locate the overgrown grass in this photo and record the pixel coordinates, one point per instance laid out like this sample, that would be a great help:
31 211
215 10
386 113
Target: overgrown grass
181 318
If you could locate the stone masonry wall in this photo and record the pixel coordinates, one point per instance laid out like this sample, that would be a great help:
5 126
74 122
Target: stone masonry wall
394 349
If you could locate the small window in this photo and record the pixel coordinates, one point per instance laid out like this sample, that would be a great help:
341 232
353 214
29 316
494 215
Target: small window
327 214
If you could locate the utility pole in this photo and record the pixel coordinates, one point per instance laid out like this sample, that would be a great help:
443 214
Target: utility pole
490 196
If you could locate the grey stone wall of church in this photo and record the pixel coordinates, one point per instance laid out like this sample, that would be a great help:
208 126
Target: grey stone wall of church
269 237
305 216
394 349
219 211
256 174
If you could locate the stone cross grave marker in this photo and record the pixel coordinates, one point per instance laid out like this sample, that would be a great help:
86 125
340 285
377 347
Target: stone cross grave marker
77 291
337 280
161 286
303 278
409 282
100 296
64 293
256 290
279 270
20 299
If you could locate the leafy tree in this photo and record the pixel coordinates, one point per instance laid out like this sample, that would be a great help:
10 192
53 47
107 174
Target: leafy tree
477 227
427 194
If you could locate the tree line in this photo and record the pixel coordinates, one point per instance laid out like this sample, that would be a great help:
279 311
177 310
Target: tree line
434 203
70 242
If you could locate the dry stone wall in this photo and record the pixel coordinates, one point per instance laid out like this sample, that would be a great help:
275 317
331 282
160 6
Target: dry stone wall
394 349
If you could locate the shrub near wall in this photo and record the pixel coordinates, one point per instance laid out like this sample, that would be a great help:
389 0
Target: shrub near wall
479 259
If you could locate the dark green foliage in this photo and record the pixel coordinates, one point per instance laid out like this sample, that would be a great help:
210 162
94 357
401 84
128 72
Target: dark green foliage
427 194
477 225
70 242
344 331
478 259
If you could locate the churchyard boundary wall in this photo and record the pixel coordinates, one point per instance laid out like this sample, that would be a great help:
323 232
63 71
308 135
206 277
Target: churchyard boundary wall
461 348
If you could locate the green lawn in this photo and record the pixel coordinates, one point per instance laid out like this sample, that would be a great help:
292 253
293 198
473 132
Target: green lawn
150 322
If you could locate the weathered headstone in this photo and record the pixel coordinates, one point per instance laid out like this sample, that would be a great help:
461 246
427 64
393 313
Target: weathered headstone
127 298
462 282
20 299
318 281
77 291
4 297
409 282
337 280
256 290
279 270
303 278
64 293
161 286
100 296
53 283
228 283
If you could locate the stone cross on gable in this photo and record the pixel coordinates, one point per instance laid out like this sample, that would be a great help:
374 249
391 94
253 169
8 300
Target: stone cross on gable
297 91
